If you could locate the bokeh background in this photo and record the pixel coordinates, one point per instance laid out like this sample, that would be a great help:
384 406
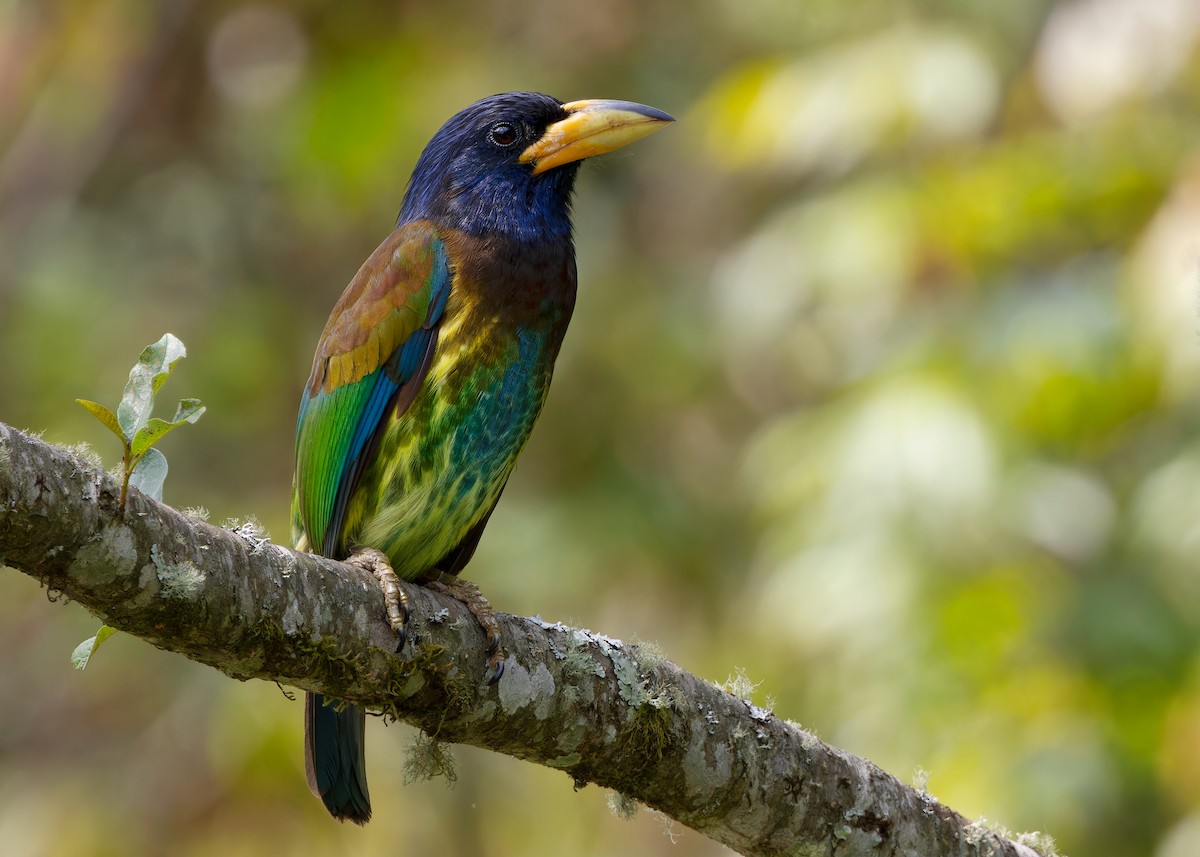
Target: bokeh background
883 388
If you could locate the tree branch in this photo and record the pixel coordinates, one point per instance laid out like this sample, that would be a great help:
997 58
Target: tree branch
601 711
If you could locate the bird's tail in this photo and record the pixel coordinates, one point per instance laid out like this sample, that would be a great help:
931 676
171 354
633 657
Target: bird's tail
335 758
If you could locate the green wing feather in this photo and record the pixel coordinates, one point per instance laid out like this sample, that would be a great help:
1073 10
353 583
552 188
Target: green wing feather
375 349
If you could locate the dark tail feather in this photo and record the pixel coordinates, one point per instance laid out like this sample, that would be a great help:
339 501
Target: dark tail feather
335 758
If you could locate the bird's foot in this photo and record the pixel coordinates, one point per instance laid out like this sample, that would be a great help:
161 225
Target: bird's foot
468 593
376 562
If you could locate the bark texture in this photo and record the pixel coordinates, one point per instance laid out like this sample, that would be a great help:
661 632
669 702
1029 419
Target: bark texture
601 711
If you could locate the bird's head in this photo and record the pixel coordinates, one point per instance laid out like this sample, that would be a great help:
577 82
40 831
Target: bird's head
507 163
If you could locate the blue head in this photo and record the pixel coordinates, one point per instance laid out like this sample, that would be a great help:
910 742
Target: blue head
470 177
506 165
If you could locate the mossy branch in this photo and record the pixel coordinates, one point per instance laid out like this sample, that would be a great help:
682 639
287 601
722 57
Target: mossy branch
601 711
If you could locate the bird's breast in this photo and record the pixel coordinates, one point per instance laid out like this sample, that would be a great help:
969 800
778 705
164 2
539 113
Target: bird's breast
443 463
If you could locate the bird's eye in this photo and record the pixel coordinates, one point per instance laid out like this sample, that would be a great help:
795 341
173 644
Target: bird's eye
504 134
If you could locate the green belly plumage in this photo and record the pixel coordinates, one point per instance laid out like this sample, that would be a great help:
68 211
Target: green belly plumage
441 465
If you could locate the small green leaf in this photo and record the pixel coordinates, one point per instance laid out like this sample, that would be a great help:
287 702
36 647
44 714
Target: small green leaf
189 411
145 379
105 416
150 473
84 651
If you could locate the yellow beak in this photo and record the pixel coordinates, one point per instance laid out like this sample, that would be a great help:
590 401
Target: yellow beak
592 128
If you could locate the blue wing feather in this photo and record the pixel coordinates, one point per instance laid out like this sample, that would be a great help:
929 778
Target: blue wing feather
382 391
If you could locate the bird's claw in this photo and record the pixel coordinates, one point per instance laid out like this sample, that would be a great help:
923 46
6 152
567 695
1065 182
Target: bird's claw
496 659
495 667
468 593
394 598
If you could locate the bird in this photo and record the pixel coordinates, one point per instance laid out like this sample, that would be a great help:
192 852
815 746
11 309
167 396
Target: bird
433 366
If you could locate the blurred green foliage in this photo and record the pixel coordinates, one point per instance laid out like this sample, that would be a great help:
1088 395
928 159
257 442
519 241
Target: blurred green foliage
883 386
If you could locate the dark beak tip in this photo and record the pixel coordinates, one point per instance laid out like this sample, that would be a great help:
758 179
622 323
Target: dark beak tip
652 113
